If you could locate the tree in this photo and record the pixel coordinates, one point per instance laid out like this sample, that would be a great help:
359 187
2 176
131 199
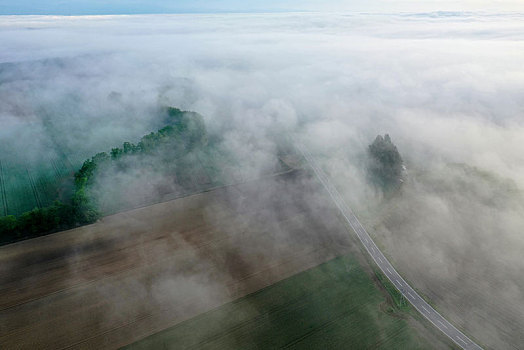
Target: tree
8 225
385 166
185 130
129 148
116 153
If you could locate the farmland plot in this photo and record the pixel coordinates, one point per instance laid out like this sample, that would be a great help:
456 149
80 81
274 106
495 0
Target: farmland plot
30 185
456 233
332 306
133 274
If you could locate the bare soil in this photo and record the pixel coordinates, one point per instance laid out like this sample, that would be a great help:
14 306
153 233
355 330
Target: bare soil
131 274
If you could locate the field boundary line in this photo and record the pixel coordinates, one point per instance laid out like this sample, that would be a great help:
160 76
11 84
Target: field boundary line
4 192
34 188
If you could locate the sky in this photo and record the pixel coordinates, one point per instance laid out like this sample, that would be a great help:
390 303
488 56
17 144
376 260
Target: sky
100 7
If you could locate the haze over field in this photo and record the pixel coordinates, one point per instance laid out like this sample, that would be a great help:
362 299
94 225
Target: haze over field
443 84
448 87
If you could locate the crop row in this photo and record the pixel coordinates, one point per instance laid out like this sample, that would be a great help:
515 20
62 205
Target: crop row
335 305
24 188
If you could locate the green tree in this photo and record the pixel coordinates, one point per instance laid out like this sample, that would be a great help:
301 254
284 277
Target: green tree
116 153
184 131
385 166
129 148
8 225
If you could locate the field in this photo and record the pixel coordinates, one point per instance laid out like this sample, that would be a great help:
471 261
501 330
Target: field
200 170
25 186
38 170
27 183
458 237
133 274
39 157
332 306
116 281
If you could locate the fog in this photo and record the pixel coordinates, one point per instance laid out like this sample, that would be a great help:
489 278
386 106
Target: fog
447 87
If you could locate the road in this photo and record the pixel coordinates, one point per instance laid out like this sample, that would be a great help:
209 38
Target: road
409 293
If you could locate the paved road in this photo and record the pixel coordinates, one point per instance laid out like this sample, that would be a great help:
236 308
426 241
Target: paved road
409 293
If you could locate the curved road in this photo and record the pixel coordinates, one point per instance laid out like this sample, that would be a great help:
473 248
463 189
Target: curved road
409 293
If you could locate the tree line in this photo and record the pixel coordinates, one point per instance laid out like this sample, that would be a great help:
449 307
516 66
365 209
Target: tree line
185 130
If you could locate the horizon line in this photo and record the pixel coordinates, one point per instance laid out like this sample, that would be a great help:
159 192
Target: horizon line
346 12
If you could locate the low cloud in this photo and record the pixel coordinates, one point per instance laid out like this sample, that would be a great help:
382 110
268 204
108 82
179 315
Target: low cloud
447 88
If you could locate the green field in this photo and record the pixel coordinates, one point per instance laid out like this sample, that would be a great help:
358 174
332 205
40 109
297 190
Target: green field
332 306
30 180
28 185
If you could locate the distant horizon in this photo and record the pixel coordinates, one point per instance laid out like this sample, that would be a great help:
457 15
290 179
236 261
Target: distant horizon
189 12
141 7
443 13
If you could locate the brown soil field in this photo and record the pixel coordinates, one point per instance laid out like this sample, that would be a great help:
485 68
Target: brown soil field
131 274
